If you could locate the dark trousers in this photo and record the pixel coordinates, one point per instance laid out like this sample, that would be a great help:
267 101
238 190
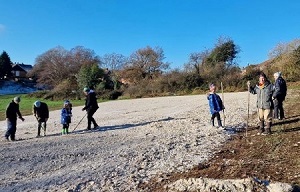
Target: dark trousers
90 118
11 129
278 109
41 124
216 114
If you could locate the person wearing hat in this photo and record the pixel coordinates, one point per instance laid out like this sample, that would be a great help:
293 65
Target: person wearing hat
66 114
41 112
215 105
264 91
279 95
91 106
12 112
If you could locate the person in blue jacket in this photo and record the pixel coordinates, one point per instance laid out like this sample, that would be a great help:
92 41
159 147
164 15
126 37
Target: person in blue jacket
215 105
66 114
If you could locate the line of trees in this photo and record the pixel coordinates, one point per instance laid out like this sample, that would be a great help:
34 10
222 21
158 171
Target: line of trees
145 72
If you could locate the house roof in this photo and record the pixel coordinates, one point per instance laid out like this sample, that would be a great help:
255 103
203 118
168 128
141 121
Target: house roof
21 67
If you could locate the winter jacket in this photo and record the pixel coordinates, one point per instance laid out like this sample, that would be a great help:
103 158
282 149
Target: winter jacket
264 95
280 89
12 111
65 116
41 112
215 103
91 101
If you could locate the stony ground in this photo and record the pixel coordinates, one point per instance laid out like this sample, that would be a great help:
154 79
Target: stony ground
139 141
247 162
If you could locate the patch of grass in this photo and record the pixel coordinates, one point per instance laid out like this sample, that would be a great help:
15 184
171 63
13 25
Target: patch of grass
26 104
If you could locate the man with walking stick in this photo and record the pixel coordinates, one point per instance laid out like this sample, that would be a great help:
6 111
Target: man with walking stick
264 91
91 106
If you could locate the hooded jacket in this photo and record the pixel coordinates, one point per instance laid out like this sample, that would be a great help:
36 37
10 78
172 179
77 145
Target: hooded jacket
264 95
215 103
280 89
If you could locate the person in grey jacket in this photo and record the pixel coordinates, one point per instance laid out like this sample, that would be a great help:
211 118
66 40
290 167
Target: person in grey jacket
264 91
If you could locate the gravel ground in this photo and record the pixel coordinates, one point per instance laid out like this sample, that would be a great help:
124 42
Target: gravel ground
137 140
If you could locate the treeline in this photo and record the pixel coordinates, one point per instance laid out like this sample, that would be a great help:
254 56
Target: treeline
146 74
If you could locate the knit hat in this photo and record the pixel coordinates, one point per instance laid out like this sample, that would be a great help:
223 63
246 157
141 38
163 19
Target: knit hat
37 104
277 74
212 85
86 89
17 99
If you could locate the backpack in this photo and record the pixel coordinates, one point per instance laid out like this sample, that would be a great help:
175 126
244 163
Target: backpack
220 102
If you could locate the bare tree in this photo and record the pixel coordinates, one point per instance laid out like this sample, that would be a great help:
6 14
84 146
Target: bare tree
147 63
113 61
284 48
58 64
196 61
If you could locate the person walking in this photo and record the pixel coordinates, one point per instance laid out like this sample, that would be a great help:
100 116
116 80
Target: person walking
91 106
278 96
66 114
215 105
12 112
41 112
264 91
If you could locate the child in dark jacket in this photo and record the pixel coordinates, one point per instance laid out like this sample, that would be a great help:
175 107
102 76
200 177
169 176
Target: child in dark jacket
215 105
66 114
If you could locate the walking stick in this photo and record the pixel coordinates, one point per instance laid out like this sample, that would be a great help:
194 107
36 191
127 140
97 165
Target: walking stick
223 104
79 122
248 84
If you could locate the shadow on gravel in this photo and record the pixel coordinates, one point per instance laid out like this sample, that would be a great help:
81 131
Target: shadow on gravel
123 126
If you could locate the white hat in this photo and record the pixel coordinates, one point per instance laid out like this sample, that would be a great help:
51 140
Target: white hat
277 74
37 104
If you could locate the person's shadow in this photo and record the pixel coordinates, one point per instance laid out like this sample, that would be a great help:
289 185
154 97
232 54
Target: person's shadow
122 126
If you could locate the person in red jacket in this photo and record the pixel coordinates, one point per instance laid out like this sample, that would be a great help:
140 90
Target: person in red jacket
12 112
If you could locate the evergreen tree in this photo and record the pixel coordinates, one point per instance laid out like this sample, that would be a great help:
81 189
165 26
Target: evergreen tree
5 65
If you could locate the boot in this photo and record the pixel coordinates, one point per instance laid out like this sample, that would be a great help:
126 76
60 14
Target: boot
212 122
268 128
261 127
39 132
44 128
219 123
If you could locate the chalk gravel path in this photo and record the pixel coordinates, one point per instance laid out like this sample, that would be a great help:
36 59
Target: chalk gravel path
137 140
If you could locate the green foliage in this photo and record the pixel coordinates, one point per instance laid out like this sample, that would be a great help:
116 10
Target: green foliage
225 52
5 65
89 76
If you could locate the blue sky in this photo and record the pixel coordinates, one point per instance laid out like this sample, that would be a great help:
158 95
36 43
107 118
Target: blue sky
29 28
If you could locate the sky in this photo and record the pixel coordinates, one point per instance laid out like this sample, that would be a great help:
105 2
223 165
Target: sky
29 28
